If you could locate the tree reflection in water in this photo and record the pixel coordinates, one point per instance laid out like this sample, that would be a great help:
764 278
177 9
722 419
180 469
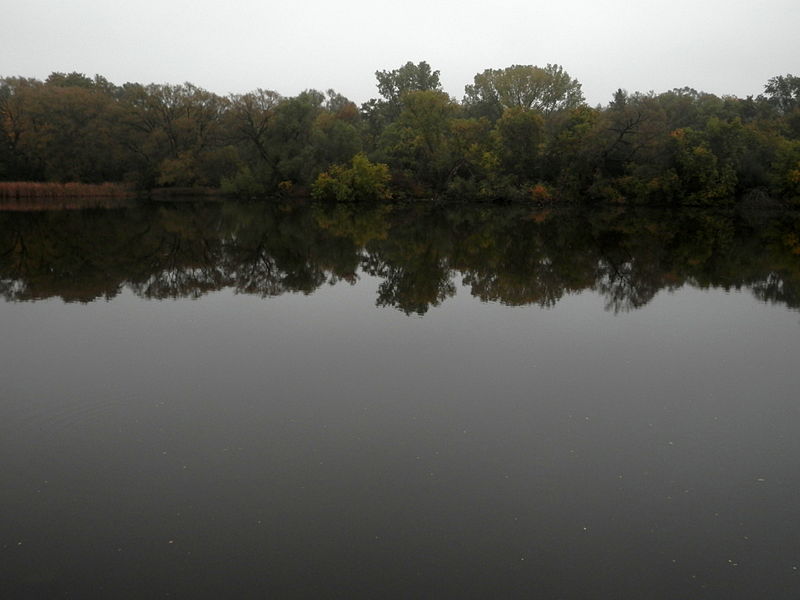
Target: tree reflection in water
517 255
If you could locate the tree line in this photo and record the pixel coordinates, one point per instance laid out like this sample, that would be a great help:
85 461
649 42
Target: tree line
522 132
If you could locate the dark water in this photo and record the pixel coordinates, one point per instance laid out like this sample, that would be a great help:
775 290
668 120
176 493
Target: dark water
248 401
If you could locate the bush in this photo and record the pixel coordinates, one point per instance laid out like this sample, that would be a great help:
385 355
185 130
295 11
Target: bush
541 193
244 184
362 180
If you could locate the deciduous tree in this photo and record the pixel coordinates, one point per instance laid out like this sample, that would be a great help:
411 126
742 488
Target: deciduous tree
545 89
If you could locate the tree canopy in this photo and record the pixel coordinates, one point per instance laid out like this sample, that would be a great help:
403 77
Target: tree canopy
408 78
545 89
783 91
522 132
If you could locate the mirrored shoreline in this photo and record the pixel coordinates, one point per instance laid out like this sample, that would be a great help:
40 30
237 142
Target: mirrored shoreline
515 254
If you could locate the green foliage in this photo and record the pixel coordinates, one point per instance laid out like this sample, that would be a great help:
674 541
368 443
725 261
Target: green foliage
547 90
73 79
289 140
244 184
335 138
248 119
705 177
363 180
518 136
393 85
518 127
785 172
572 153
68 133
470 149
419 141
783 92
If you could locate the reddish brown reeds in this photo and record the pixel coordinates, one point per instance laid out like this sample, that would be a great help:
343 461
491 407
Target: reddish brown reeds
29 190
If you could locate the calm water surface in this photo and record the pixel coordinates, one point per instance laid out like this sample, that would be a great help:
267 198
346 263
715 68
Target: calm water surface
234 400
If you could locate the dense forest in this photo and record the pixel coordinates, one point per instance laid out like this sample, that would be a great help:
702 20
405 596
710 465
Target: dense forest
523 132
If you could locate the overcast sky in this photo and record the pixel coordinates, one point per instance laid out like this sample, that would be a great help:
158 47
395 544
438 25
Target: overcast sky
724 47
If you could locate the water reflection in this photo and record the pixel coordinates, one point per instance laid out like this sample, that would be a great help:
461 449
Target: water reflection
516 255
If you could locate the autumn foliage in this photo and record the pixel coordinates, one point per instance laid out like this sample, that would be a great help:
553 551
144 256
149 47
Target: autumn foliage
519 133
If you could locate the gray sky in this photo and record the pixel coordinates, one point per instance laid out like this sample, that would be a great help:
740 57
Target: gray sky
730 47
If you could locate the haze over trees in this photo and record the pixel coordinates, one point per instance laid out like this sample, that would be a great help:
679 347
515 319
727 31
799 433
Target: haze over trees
521 132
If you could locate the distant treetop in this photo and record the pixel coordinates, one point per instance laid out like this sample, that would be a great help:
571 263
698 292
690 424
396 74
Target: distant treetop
547 90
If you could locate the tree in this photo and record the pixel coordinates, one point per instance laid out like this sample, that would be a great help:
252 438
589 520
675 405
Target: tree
15 127
175 131
783 92
289 139
335 137
547 89
249 116
70 134
73 79
518 135
470 143
572 153
392 85
418 142
704 176
635 131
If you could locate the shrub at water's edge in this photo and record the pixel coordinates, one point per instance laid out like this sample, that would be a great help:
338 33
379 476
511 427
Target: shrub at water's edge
363 180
